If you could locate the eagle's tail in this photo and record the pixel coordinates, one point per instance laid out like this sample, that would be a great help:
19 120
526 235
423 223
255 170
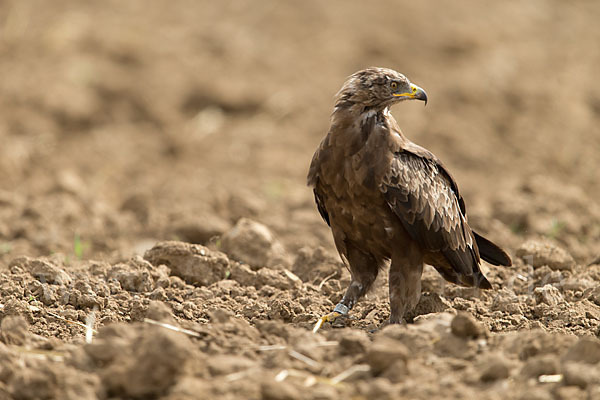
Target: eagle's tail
491 252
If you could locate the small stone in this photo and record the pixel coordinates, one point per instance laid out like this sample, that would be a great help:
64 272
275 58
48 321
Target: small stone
548 294
494 368
585 350
538 253
385 352
466 326
254 244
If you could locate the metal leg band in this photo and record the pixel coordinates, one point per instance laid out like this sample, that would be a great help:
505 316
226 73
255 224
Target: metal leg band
342 309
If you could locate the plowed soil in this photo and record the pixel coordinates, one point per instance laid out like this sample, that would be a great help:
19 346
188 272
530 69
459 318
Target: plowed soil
157 239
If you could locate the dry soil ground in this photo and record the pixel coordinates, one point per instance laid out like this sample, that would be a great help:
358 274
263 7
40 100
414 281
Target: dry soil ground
152 172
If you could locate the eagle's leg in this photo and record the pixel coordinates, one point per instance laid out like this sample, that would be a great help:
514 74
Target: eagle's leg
363 270
405 281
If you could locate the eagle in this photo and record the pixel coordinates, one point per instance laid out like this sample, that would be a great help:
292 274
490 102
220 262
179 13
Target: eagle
391 201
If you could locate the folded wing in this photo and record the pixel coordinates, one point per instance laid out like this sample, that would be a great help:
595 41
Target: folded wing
425 198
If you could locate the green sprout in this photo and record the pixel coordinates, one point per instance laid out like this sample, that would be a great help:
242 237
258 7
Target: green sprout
556 228
5 248
79 247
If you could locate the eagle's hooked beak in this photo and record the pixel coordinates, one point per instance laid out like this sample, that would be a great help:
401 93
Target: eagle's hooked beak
416 93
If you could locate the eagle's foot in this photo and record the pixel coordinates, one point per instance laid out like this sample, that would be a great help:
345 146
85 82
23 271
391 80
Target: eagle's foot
340 310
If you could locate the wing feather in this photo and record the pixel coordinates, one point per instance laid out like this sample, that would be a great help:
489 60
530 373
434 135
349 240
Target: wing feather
425 198
321 207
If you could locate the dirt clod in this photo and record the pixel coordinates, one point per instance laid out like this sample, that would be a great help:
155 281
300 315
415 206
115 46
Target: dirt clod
580 374
450 345
150 367
14 330
42 269
254 244
570 393
540 253
542 365
136 279
547 294
384 353
194 263
353 342
585 350
495 367
224 364
279 391
466 326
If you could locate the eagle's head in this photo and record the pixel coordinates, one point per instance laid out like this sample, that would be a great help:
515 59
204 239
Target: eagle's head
377 88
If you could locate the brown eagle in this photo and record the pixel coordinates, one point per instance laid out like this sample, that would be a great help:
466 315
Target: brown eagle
387 198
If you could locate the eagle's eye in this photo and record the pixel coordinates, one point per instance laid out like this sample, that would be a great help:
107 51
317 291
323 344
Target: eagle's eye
394 85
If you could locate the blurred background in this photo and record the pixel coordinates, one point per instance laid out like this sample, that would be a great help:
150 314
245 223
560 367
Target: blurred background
123 123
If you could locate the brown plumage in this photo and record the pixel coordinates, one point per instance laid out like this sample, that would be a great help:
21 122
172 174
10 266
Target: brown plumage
387 198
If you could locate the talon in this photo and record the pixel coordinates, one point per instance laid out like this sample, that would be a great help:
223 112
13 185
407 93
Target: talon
326 318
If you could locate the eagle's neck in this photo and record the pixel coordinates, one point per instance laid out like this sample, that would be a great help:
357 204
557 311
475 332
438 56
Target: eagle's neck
355 127
355 113
379 116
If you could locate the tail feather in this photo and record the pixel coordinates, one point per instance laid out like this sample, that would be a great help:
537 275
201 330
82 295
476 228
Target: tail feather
491 252
476 280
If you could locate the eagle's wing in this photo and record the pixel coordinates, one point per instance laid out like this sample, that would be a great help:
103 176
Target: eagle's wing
321 206
313 179
425 197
